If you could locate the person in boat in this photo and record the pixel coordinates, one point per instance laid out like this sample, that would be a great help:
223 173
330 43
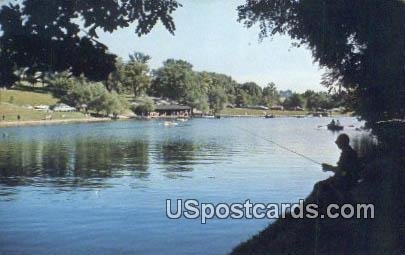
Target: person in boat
347 169
332 123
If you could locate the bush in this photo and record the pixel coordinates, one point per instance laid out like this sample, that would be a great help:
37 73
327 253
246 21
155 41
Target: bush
83 93
109 103
365 145
78 92
144 109
61 84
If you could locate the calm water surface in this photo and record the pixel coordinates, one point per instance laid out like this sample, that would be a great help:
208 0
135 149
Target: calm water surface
101 188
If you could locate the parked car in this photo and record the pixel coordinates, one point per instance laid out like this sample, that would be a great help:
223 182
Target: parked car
63 108
41 107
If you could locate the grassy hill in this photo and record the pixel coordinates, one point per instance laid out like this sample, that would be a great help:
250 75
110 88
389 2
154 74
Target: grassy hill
14 102
25 98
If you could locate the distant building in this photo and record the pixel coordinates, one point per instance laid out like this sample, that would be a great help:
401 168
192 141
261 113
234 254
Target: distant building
173 110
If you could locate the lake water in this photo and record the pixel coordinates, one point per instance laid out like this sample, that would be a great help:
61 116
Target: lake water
100 188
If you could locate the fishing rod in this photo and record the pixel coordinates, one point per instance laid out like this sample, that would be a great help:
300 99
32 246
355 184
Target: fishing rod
279 145
317 228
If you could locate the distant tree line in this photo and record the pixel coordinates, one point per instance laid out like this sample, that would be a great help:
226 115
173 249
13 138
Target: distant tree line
176 80
41 41
362 51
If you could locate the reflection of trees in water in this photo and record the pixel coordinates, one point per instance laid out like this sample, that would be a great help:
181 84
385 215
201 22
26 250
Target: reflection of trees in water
87 162
96 158
177 156
137 158
18 161
81 163
7 193
55 159
110 158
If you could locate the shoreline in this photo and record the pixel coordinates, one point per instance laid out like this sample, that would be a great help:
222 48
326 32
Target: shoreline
23 123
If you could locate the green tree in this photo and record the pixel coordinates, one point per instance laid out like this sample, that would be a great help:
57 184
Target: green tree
215 86
61 83
242 98
114 78
295 100
144 108
58 35
134 75
109 103
198 100
254 91
217 99
83 93
314 100
270 95
176 80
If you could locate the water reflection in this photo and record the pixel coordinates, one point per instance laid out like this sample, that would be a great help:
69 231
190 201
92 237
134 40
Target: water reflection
79 163
177 156
89 162
137 158
94 156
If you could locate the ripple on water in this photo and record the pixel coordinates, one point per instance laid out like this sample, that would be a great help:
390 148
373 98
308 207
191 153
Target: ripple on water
103 186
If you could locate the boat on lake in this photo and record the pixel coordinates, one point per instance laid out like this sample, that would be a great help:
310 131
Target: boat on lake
334 126
170 123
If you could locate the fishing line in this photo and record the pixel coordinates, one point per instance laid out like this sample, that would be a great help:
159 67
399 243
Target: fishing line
317 225
280 146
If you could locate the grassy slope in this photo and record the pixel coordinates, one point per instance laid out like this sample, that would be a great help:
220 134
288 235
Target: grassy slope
18 97
15 102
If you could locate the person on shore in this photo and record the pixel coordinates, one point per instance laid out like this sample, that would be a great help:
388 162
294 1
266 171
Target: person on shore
18 117
347 169
3 117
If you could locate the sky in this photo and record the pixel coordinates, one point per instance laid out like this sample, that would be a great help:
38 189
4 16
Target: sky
209 37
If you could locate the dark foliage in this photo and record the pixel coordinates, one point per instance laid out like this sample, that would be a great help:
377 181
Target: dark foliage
362 43
58 35
381 235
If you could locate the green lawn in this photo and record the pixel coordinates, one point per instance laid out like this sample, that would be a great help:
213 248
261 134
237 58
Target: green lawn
11 111
18 97
16 102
